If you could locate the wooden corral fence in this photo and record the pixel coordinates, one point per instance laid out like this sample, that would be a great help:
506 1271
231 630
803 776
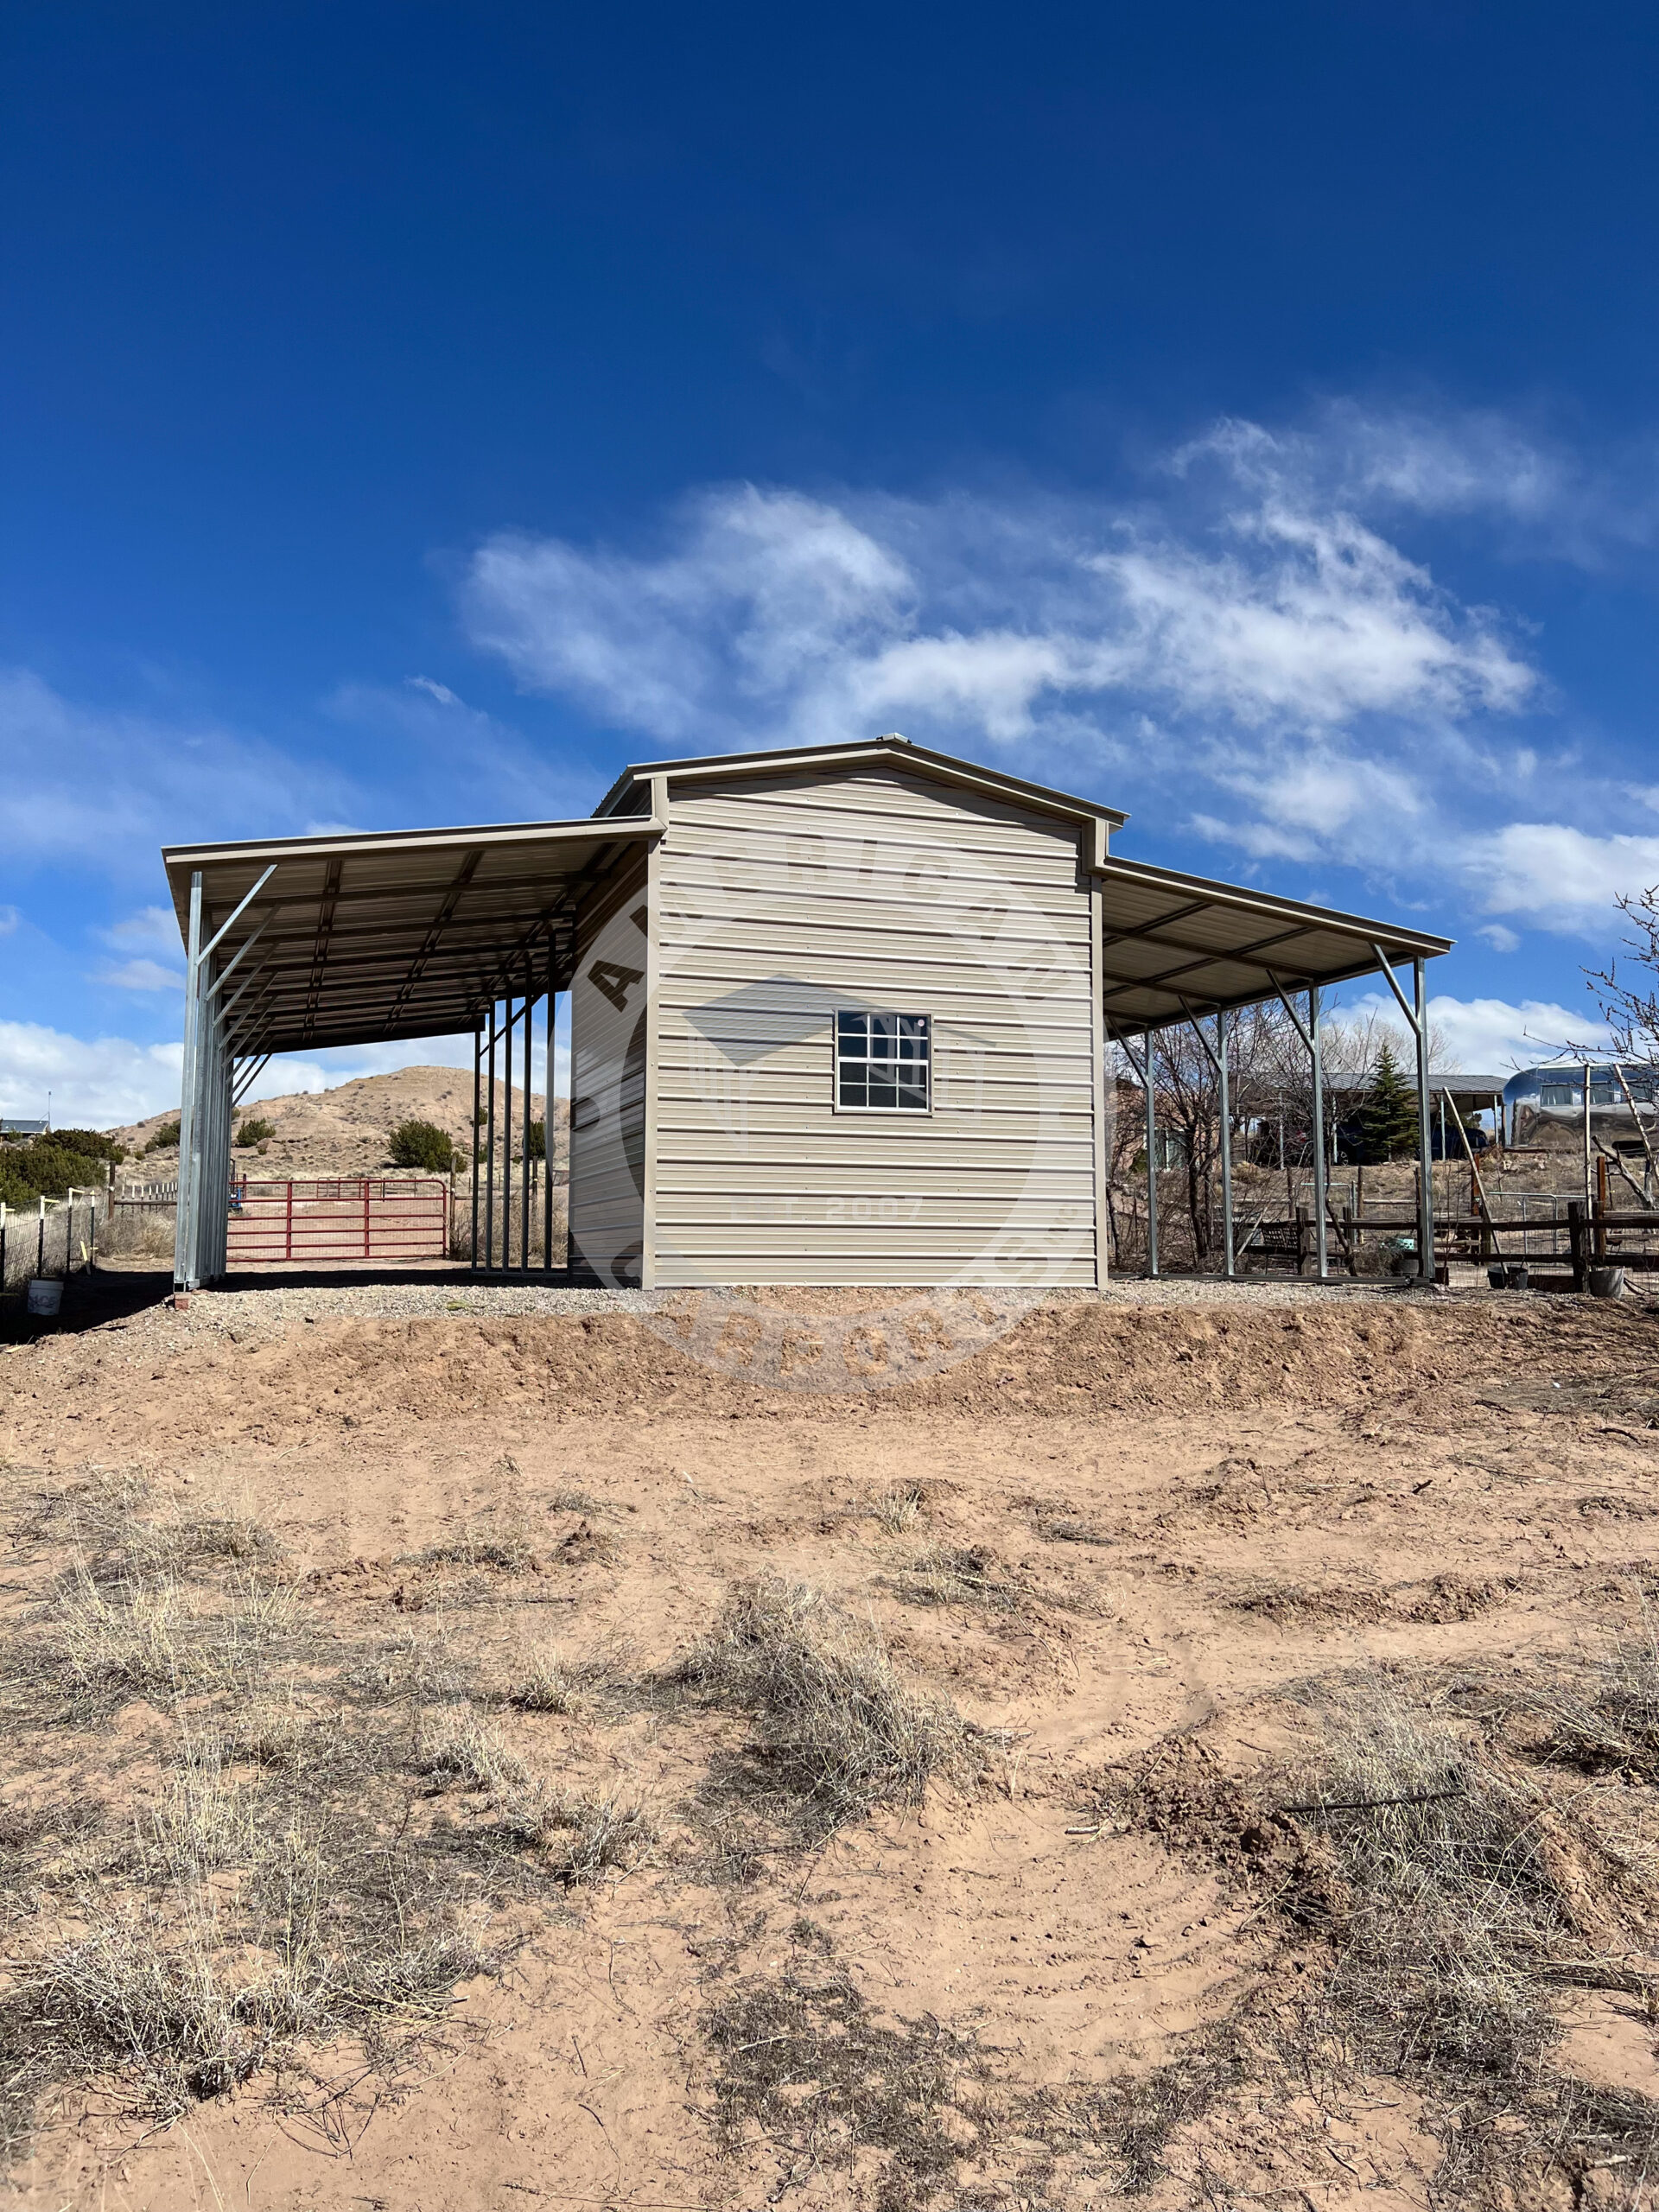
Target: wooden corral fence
394 1219
1564 1237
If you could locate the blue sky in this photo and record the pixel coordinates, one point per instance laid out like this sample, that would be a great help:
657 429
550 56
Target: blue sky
409 413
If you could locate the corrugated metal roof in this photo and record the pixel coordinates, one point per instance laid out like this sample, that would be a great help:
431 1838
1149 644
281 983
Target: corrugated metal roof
1178 946
361 938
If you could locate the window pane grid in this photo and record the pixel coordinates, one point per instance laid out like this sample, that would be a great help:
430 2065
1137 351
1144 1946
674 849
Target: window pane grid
883 1061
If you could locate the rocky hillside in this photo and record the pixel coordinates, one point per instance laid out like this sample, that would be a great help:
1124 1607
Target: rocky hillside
344 1131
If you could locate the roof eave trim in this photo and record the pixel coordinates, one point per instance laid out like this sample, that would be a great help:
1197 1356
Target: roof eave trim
587 830
943 767
1227 894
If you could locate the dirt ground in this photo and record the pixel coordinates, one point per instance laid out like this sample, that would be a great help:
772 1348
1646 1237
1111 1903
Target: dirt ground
1133 1544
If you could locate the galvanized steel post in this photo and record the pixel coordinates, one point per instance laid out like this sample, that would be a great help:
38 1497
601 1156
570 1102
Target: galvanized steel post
1224 1107
184 1245
1425 1142
1152 1158
1318 1128
547 1124
478 1054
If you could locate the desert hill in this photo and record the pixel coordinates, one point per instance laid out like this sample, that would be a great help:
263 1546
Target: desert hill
346 1131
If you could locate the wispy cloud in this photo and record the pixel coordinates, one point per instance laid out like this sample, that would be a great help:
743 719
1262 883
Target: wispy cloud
1555 876
106 789
140 975
1242 639
765 609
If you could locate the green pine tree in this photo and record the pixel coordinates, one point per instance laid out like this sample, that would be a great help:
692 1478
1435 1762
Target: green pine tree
1388 1116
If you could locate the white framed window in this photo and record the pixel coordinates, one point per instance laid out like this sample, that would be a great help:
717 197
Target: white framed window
884 1063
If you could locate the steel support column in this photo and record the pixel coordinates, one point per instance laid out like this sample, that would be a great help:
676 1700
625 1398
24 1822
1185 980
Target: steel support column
477 1056
185 1270
1226 1139
546 1125
489 1153
1319 1186
1425 1142
523 1232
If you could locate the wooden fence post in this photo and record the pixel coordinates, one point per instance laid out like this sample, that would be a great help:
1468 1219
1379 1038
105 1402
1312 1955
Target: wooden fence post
1575 1239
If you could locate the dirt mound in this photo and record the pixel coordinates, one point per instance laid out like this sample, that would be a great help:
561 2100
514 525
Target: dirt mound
1076 1360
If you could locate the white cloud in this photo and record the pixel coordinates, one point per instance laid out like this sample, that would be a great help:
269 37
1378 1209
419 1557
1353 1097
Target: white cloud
1495 1036
441 692
1559 877
152 928
99 1083
10 919
1500 938
141 975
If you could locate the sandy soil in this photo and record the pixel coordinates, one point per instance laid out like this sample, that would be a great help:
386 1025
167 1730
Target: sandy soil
1181 1512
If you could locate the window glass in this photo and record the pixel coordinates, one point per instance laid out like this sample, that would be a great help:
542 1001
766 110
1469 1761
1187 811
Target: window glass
883 1061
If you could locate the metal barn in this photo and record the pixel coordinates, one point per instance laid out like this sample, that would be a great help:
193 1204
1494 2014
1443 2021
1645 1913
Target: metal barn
838 1015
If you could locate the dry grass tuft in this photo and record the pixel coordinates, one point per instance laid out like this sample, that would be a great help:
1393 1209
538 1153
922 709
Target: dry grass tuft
468 1754
549 1683
161 1640
180 2015
566 1500
897 1511
833 1721
1456 1886
578 1838
939 1577
511 1553
1607 1721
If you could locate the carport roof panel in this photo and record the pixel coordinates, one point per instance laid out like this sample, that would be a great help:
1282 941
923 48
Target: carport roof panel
1175 945
364 937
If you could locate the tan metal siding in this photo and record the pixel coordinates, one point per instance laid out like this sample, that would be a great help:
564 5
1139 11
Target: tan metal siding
783 898
608 1082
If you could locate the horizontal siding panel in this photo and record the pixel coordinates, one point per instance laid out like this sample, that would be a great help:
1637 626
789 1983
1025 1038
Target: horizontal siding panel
1075 1269
944 1156
780 900
1059 1202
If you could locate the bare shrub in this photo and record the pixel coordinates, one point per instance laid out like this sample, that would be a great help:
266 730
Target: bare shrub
832 1719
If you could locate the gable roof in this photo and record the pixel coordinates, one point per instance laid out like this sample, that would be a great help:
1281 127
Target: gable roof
630 791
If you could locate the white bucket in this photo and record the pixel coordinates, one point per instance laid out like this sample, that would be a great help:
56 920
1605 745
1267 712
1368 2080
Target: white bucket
45 1295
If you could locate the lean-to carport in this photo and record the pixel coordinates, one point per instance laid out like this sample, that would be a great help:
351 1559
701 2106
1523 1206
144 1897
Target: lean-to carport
1180 949
307 942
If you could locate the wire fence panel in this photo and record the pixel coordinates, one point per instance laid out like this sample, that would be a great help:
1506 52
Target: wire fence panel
346 1218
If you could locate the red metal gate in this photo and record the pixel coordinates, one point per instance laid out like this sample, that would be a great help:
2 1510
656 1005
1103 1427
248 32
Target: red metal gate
346 1217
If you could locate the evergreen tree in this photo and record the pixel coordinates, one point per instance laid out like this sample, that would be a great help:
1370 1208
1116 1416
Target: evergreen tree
1388 1117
